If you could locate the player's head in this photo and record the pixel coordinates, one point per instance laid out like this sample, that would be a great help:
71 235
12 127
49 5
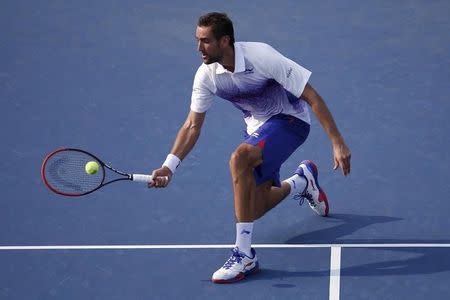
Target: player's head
221 25
214 33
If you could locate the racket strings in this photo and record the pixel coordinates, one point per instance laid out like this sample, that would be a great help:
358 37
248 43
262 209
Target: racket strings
65 172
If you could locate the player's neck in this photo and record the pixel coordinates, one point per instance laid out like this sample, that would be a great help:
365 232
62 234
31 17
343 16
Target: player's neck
228 59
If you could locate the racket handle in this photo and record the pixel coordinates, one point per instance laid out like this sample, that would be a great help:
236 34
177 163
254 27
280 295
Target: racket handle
143 178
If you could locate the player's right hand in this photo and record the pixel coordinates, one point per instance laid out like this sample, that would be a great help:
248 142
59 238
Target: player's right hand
161 178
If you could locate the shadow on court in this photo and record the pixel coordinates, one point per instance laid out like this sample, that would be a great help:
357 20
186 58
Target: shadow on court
385 261
348 224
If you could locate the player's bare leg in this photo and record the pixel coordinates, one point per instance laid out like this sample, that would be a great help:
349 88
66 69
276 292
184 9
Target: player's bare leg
268 196
243 260
251 201
242 162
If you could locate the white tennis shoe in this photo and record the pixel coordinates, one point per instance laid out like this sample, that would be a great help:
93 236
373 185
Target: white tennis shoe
237 267
317 199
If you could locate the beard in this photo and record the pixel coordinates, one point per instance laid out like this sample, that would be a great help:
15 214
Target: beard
212 58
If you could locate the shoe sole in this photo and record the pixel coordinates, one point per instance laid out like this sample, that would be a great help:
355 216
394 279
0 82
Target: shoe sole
239 277
322 196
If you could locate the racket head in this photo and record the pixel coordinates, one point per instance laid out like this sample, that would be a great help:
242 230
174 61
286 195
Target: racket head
63 172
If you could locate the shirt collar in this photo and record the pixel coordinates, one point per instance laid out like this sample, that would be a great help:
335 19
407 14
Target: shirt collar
239 62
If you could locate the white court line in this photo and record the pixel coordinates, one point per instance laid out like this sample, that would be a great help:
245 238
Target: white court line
212 246
335 272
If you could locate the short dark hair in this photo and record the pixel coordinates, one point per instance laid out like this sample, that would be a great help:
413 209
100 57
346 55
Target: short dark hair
220 23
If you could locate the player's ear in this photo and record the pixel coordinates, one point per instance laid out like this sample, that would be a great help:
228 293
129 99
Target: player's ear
225 40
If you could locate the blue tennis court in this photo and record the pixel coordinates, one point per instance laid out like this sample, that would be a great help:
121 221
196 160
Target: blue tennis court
115 78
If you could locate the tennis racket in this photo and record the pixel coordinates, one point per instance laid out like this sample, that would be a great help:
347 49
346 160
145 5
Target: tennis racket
63 172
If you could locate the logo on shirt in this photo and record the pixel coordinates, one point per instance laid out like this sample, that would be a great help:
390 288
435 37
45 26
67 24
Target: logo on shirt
248 71
289 72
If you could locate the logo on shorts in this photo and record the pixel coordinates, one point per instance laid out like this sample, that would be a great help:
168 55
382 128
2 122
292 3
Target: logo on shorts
255 134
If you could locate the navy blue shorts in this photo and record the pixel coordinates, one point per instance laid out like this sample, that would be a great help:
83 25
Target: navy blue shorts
278 138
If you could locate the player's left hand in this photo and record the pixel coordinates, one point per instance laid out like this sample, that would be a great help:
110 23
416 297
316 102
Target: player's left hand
342 157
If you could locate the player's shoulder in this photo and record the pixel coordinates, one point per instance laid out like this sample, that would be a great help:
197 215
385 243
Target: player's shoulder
260 55
254 47
205 74
258 52
207 69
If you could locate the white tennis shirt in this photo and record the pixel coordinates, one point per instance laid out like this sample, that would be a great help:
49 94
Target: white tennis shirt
264 83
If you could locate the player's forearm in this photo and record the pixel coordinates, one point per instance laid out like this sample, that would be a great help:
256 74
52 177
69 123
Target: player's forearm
188 134
325 118
186 139
323 114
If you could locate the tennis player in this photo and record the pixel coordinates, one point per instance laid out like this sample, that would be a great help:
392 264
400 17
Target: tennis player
273 93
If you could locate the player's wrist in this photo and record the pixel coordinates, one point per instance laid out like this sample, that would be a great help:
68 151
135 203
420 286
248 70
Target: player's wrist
172 162
337 140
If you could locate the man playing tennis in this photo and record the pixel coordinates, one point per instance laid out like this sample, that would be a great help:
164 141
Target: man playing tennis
272 92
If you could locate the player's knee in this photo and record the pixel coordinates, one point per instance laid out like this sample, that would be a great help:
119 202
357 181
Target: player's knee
245 156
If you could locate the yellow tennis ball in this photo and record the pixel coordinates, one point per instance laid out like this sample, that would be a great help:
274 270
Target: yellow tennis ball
91 167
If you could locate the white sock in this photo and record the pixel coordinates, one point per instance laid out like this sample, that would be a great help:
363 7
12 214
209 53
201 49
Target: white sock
297 183
244 237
